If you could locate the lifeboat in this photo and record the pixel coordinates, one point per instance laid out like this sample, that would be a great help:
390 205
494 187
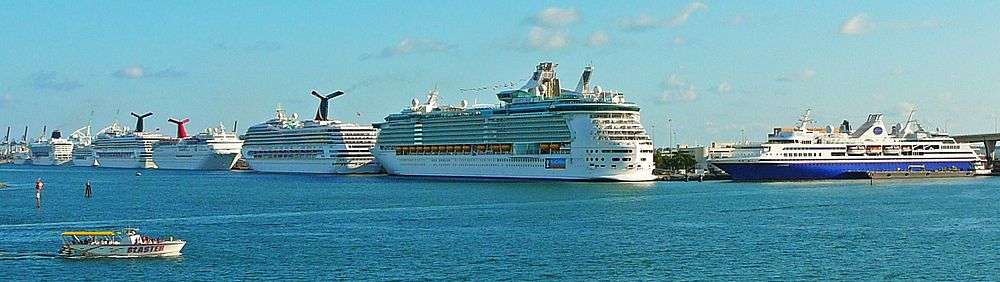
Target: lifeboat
891 150
855 150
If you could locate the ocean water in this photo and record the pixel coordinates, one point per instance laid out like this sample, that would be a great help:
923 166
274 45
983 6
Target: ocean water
244 225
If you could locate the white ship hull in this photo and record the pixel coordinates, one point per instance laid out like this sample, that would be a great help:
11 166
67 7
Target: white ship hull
313 166
207 161
127 163
501 166
49 161
85 162
165 249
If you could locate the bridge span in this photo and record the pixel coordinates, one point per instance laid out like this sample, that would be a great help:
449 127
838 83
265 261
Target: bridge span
989 141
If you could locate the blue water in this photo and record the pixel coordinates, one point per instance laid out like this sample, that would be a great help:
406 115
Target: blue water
274 226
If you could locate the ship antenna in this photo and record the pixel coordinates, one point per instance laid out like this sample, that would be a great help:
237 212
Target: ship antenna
804 121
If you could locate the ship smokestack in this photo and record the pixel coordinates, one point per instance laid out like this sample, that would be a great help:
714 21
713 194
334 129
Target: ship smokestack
324 104
56 134
7 137
24 138
138 120
181 130
584 85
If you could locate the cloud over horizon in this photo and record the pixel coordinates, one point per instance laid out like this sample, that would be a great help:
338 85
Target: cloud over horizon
410 46
645 22
139 72
52 81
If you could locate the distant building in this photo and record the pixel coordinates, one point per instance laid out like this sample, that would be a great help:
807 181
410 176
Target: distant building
703 154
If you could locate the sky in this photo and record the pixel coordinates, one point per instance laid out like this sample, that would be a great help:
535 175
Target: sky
705 70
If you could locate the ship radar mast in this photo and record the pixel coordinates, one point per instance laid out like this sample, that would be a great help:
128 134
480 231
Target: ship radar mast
805 120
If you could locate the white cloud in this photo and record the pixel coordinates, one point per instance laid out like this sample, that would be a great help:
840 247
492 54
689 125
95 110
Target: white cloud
409 46
857 25
137 72
543 39
598 38
556 17
686 13
861 24
805 74
679 40
640 23
724 88
677 88
133 72
646 22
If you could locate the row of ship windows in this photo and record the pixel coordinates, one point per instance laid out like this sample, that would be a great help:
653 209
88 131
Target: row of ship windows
613 159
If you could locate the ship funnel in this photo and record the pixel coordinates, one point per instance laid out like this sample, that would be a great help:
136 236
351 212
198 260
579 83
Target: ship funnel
324 103
584 85
181 130
138 120
56 134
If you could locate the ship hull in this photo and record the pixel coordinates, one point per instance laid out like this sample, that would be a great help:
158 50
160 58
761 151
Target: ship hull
496 166
126 163
197 162
85 162
312 166
828 170
48 161
166 249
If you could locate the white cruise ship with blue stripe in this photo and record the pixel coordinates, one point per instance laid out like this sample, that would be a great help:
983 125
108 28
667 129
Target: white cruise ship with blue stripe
802 152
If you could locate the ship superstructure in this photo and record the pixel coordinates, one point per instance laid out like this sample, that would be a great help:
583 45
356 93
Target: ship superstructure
54 150
83 147
805 152
212 149
537 131
118 147
320 145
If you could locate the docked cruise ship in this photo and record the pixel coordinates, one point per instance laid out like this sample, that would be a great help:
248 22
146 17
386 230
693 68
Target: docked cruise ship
83 149
804 152
117 147
54 150
212 149
539 131
320 145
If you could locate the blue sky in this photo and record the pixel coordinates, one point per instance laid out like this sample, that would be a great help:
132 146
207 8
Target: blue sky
714 68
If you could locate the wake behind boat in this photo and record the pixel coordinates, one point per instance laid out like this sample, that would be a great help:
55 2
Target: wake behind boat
111 244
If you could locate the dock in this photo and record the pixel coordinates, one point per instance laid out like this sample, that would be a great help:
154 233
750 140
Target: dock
919 174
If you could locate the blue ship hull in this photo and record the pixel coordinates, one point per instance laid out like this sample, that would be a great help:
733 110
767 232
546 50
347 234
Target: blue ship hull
811 171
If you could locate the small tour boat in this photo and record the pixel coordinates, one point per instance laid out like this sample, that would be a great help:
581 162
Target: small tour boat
111 244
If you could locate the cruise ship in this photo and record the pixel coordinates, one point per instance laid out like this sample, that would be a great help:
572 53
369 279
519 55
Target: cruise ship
83 149
212 149
538 131
320 145
117 147
804 152
18 150
54 150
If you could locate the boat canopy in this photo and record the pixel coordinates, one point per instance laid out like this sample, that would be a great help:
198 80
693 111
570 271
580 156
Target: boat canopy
89 233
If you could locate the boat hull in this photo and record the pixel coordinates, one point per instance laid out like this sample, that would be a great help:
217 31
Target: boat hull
196 162
497 166
126 163
49 161
828 170
313 166
165 249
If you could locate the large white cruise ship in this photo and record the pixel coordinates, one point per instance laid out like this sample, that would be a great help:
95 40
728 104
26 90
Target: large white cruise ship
83 150
54 150
321 145
212 149
539 131
804 152
117 147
